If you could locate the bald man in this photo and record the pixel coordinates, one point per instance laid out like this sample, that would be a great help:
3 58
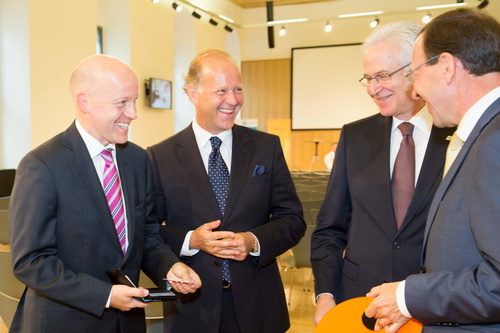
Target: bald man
64 235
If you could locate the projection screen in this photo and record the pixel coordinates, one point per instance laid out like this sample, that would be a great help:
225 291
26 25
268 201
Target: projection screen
325 92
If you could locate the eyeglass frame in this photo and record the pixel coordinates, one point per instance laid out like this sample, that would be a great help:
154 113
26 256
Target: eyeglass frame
378 76
410 74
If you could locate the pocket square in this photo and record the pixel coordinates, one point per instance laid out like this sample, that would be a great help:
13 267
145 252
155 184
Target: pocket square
259 170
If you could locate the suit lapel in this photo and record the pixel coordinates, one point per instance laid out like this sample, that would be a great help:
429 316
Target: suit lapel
380 145
489 114
127 185
84 170
190 157
241 157
431 170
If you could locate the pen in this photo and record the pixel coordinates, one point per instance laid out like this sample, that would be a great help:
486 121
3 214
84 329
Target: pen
176 280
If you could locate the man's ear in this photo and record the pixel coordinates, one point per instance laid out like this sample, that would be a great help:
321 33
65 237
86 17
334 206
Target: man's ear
82 101
192 94
449 66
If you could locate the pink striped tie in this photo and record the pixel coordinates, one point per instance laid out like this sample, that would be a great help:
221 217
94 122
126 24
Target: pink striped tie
113 192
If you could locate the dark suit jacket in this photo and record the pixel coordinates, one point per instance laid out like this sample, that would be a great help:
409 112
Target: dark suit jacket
358 216
63 238
261 200
462 249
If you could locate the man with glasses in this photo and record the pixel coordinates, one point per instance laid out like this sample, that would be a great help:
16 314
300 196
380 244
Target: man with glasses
375 207
456 70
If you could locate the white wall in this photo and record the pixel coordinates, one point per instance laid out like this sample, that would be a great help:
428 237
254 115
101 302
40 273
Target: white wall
15 95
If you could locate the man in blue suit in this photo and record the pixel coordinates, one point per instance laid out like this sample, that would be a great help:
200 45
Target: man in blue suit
456 70
261 219
62 232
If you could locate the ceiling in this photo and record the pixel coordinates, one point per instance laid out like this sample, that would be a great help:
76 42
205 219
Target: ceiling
262 3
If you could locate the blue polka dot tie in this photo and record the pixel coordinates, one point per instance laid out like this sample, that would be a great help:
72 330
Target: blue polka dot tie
219 178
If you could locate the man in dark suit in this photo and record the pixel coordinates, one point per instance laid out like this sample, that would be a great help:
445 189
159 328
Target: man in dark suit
63 234
359 215
260 219
456 70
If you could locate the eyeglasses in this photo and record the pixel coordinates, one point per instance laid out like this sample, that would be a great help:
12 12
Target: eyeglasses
410 75
380 78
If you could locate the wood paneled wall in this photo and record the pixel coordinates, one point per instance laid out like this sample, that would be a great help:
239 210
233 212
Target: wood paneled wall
266 85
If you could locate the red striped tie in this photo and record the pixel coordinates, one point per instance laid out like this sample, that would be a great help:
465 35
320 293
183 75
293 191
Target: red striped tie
113 192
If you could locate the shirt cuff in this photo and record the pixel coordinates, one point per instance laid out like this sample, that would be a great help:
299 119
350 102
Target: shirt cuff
256 253
185 251
109 299
400 298
324 294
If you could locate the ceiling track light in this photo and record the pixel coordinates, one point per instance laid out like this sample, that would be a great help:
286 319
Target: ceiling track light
213 22
427 18
228 28
483 4
328 26
177 7
374 23
282 31
196 15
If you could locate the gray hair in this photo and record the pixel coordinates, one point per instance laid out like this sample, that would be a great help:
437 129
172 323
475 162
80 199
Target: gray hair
402 33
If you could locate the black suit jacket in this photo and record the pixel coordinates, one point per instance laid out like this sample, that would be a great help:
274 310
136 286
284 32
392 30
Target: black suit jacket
358 216
63 238
261 199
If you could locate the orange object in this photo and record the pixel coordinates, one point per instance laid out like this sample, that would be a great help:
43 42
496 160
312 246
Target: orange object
347 317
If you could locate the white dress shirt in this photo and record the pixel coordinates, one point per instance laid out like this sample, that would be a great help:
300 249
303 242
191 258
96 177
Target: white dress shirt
205 146
421 134
94 147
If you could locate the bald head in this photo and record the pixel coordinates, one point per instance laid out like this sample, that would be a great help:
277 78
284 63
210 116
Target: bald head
91 71
104 91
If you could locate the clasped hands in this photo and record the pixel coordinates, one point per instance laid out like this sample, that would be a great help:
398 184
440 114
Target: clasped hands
222 244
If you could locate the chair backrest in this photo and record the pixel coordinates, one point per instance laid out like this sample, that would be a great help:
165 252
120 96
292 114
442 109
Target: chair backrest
302 251
4 227
317 195
4 203
7 177
11 289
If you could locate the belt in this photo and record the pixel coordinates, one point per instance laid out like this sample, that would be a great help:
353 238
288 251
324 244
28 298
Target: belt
225 284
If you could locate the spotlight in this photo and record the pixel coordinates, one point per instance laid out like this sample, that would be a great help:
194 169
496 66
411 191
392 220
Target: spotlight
483 4
283 31
228 28
196 15
328 27
374 23
156 1
427 18
177 7
213 22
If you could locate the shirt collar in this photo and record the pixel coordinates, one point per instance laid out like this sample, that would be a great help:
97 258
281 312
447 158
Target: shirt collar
471 117
422 120
203 137
93 145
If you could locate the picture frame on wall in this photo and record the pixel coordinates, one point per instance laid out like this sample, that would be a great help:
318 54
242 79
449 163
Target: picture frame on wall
160 94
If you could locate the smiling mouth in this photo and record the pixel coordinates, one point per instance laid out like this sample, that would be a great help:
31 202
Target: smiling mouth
384 98
226 111
123 125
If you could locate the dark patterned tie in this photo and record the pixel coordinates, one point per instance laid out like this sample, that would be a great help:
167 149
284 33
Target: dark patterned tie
219 178
403 175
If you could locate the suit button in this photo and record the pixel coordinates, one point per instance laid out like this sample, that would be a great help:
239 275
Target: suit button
423 270
396 245
217 263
